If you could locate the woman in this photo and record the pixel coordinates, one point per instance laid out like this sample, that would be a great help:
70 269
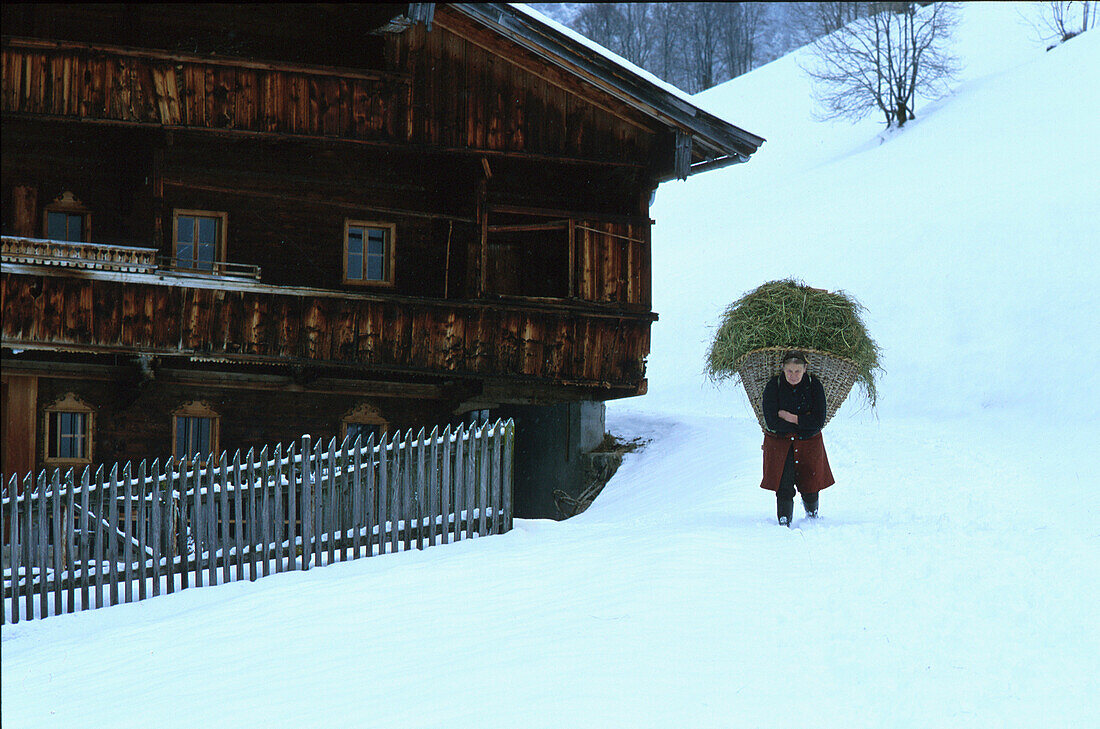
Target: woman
794 451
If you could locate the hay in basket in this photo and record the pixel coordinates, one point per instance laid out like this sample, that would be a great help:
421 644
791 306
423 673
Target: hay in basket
780 315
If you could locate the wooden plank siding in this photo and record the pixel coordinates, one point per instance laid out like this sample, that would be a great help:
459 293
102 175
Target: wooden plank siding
102 84
455 87
602 349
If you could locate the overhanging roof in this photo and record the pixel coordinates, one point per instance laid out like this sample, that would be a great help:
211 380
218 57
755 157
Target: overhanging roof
714 142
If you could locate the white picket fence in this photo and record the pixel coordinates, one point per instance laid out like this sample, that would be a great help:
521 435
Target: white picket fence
82 541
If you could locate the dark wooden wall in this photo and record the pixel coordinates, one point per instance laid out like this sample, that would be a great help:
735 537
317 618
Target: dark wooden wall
384 334
134 422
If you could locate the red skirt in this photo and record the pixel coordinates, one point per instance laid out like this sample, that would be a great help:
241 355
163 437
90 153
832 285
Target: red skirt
812 472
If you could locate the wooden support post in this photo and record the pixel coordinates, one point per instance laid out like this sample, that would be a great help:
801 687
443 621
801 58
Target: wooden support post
277 497
172 489
265 517
210 516
483 478
445 501
292 472
330 510
508 475
223 490
128 532
253 525
15 525
156 523
142 530
357 485
238 517
111 528
41 561
306 506
58 540
383 494
460 479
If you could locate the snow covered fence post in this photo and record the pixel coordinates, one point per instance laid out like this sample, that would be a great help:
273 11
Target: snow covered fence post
128 536
509 455
306 504
292 472
43 547
13 531
277 496
142 529
55 514
155 525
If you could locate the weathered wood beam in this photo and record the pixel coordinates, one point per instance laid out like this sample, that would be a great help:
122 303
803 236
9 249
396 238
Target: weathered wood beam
335 142
41 44
315 201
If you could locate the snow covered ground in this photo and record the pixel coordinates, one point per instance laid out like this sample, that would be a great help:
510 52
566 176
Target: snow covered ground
952 582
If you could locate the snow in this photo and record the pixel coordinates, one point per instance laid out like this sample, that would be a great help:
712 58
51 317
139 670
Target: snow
601 50
952 581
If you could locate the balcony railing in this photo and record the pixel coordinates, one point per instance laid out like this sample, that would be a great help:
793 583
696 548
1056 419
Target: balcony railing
105 257
75 254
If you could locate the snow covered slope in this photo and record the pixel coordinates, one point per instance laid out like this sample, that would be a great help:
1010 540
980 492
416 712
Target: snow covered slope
970 236
951 583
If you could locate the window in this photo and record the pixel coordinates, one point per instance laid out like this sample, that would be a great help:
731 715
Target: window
198 239
66 218
69 432
363 421
364 431
195 432
368 252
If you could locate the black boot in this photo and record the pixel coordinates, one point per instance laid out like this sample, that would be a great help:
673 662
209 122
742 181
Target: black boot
809 501
784 508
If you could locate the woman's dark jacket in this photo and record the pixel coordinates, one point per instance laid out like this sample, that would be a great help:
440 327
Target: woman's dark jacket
807 401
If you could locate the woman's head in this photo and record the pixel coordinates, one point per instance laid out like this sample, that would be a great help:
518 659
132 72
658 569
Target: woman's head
794 366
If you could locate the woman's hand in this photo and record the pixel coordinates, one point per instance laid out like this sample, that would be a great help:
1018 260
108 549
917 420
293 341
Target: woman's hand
789 416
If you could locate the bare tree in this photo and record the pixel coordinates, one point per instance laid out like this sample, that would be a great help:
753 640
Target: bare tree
600 22
704 23
882 61
739 27
817 19
1061 21
636 40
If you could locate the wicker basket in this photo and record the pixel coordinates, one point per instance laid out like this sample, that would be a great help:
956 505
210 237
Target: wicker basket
836 374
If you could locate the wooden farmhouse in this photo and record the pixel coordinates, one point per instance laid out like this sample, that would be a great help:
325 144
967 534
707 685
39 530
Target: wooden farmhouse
229 225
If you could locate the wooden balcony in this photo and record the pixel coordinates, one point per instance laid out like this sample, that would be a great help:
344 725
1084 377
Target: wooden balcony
105 257
157 313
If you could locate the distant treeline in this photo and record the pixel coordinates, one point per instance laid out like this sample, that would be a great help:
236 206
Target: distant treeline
698 45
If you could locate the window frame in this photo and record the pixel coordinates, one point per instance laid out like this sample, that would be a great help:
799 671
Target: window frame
364 414
220 247
197 410
72 404
67 204
388 257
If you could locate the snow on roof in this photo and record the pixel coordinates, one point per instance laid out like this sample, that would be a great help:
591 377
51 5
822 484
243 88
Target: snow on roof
609 55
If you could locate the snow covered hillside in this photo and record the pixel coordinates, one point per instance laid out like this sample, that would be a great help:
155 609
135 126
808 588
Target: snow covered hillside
952 581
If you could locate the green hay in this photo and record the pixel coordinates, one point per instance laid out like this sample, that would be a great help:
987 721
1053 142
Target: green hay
790 314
